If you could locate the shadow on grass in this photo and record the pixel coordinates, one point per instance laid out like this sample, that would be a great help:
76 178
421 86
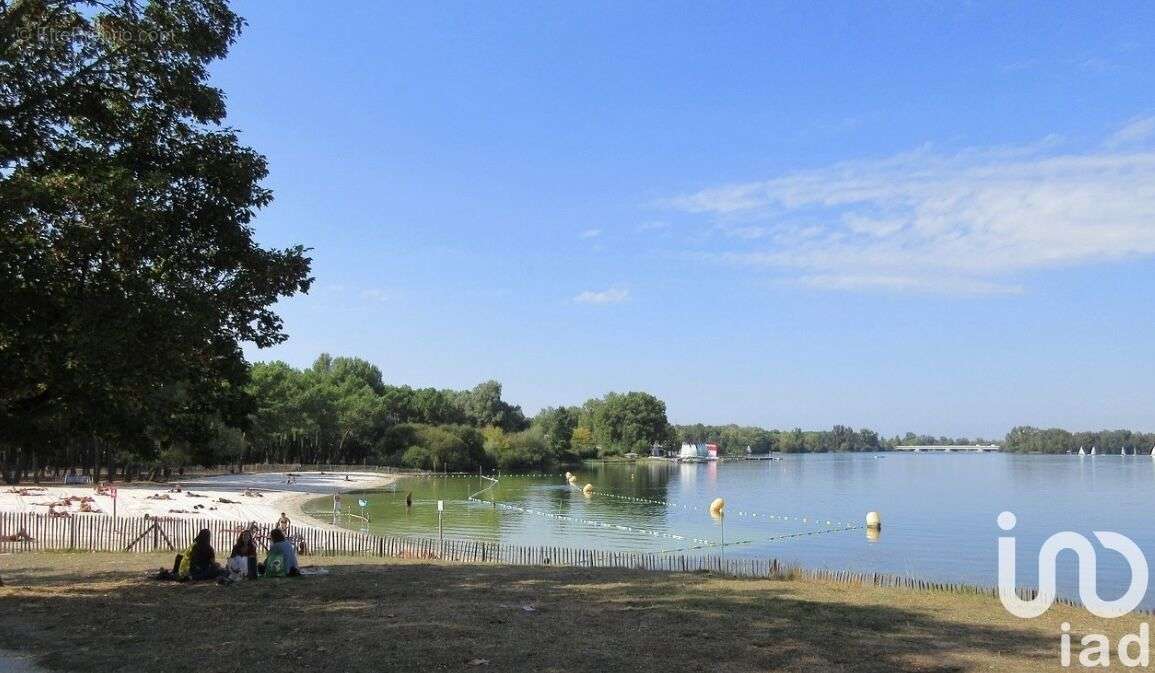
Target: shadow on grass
419 617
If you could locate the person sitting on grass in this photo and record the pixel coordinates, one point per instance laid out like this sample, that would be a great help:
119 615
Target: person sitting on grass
239 560
282 558
202 560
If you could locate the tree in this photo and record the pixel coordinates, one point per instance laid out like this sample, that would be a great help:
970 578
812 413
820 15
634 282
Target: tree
582 442
484 407
557 426
630 422
127 259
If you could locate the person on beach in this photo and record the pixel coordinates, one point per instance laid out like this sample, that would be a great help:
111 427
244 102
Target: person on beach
283 523
243 559
282 558
202 560
20 536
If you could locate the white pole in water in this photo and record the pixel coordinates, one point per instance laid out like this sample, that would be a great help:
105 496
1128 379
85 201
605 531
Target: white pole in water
440 529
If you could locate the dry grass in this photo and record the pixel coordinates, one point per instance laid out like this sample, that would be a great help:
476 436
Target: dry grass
97 613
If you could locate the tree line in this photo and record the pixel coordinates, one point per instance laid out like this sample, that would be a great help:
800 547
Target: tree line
736 439
340 410
1028 439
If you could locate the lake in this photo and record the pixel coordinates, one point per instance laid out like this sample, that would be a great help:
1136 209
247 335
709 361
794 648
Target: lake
938 510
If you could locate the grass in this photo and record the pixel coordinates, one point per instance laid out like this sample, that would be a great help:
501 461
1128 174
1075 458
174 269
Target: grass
94 613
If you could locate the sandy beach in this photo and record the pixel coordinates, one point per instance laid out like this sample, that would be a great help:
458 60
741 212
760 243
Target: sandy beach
234 497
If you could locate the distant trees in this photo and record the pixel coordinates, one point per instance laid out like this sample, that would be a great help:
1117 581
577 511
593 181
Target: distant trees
1027 439
911 439
623 423
341 411
557 426
734 439
428 447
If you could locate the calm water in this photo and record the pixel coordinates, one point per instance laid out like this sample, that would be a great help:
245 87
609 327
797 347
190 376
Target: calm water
938 510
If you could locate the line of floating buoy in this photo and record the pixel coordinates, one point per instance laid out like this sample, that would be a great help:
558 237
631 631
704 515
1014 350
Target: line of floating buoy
716 509
773 538
565 517
817 521
593 523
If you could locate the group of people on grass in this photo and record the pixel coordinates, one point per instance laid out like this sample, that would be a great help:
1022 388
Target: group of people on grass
199 561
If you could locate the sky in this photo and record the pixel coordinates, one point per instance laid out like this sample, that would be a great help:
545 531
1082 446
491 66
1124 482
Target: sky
930 217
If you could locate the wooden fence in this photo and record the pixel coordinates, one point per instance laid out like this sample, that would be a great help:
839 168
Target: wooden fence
25 532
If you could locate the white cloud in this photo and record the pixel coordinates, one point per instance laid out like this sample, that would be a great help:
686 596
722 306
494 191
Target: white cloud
925 220
748 232
374 294
590 233
1135 131
610 296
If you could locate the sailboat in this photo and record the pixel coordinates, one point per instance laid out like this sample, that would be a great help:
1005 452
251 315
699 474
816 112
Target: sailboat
1123 451
1083 453
1092 450
1153 451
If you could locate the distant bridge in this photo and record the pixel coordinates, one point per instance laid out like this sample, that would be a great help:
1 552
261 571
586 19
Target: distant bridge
951 448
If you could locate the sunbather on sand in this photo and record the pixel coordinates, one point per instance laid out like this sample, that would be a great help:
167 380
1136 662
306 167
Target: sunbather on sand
20 536
26 492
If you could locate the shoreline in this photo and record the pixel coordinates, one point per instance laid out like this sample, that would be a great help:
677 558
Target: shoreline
260 496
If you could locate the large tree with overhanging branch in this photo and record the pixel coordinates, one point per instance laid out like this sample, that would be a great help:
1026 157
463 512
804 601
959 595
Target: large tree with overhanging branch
129 274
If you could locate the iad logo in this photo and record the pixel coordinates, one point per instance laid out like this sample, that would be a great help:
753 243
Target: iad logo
1088 589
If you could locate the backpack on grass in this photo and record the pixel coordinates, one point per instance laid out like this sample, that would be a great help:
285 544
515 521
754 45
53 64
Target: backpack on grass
183 568
275 565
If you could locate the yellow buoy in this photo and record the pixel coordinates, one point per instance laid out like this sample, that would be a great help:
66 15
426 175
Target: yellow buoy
872 534
589 489
873 521
717 506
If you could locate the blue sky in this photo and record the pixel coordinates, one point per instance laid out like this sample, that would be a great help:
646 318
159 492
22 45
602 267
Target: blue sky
928 218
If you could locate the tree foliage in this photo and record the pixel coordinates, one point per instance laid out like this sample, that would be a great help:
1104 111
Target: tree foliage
1027 439
129 275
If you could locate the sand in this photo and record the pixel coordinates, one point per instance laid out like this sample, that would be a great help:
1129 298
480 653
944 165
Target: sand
269 494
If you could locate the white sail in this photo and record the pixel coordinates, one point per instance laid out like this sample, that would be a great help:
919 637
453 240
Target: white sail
1153 450
1083 452
1092 450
